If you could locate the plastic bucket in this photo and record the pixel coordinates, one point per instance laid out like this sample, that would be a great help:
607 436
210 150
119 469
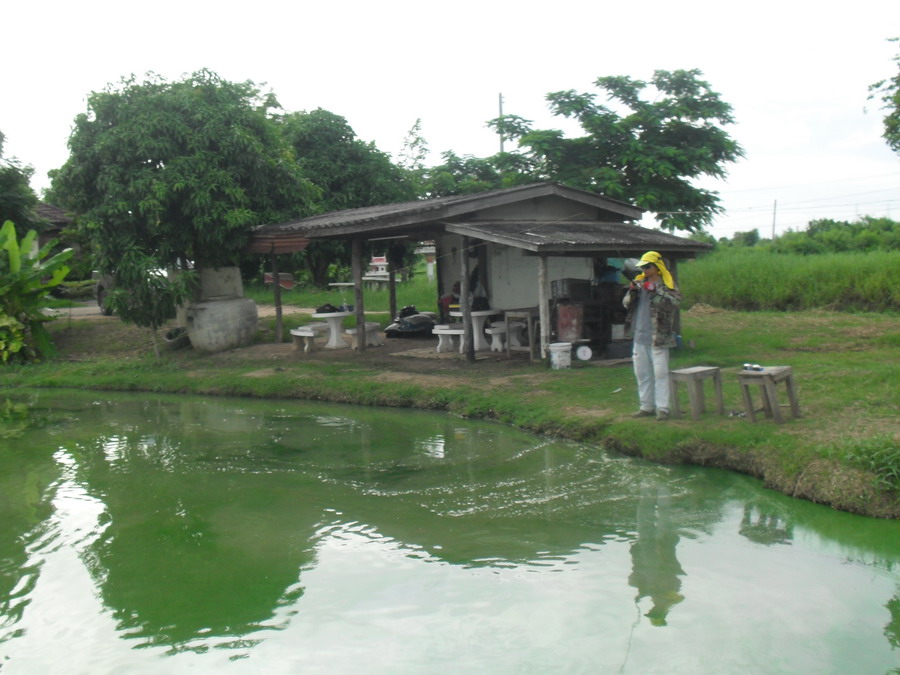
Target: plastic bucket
560 355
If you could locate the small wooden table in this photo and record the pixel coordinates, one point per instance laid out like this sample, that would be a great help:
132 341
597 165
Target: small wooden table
335 321
767 378
531 317
693 377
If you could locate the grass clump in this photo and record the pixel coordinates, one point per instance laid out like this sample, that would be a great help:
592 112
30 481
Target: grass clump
879 455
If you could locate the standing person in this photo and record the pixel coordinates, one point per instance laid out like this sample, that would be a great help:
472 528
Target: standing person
652 301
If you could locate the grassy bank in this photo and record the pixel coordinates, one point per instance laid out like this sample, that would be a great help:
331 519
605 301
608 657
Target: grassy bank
843 451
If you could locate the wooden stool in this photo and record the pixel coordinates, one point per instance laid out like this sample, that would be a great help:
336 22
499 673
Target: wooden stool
767 378
531 320
694 377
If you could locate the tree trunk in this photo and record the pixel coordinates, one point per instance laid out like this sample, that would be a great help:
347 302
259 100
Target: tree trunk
154 337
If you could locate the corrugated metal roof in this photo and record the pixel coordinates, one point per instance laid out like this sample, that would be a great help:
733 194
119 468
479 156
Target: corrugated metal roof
463 214
421 212
566 236
52 214
268 244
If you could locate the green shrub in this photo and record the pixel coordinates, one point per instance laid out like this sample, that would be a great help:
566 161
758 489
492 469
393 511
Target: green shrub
26 278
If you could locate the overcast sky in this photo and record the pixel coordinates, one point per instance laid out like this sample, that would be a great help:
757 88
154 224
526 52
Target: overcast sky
796 74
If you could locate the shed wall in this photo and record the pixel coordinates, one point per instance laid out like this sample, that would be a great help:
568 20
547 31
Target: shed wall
547 208
512 275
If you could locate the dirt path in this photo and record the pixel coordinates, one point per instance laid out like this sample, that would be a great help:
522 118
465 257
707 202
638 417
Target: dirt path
90 310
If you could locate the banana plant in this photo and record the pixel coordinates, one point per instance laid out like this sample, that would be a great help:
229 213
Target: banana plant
26 277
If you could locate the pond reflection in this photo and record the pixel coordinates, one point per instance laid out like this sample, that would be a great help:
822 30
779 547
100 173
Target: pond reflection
288 536
655 569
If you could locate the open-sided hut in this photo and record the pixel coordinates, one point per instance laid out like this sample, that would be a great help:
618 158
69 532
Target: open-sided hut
518 246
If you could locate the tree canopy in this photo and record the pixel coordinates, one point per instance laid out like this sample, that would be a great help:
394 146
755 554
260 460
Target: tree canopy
646 147
349 172
888 90
17 199
181 170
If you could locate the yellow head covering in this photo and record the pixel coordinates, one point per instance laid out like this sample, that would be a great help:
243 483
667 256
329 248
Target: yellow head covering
654 258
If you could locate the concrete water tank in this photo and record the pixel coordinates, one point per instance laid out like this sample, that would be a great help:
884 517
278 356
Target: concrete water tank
222 318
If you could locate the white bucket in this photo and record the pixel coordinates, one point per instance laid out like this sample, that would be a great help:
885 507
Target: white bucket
560 355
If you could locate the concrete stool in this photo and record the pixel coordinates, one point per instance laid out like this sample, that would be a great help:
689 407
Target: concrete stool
445 333
305 335
767 378
693 378
515 336
373 339
496 332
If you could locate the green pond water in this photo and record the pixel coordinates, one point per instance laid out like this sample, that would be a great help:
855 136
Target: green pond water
144 534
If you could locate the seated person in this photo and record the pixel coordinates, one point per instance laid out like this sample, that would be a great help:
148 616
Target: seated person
445 301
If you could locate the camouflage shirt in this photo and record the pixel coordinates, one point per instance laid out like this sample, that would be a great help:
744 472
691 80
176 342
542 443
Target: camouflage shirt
663 308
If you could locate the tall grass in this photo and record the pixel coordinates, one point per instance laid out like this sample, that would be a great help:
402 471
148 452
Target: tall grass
748 278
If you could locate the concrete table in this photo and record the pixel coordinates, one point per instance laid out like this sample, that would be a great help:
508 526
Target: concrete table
478 319
335 321
376 281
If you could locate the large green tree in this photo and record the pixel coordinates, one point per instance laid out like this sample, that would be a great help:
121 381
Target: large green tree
180 170
888 91
646 145
349 172
17 199
469 174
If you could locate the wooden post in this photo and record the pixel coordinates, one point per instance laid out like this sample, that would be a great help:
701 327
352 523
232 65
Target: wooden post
279 324
392 290
359 310
544 305
465 301
438 269
673 270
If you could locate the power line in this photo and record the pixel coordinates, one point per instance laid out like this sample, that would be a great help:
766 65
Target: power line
798 185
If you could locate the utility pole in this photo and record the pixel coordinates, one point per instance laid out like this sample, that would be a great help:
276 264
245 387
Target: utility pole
774 211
